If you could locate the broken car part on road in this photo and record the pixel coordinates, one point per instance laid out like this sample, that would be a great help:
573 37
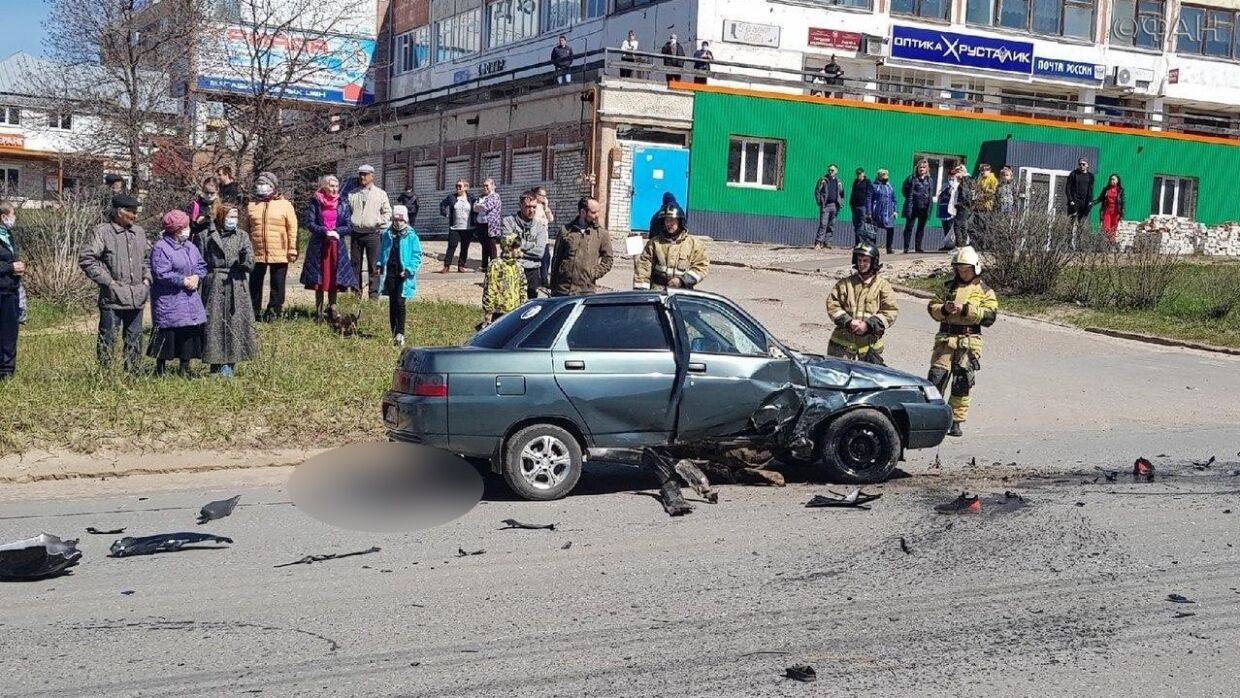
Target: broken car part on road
40 557
163 543
513 523
1143 468
854 500
217 510
309 559
97 532
801 672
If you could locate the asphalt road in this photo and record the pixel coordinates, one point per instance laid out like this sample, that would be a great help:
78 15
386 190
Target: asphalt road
1064 596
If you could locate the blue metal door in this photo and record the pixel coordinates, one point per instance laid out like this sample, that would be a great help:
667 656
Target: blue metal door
657 169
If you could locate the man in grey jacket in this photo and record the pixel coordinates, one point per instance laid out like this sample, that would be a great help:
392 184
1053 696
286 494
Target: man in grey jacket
372 214
533 234
829 193
116 258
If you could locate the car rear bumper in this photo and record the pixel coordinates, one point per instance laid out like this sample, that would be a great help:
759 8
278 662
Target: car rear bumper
407 418
928 423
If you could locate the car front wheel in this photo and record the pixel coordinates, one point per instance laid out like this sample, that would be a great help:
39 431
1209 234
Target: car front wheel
542 462
860 448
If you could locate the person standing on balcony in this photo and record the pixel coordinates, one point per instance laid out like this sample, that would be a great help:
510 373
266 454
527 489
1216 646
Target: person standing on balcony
704 56
629 47
835 76
673 48
1112 206
1079 190
562 59
918 191
880 207
829 194
857 202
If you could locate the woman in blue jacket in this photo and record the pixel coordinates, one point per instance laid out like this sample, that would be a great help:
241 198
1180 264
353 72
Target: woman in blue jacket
880 206
400 257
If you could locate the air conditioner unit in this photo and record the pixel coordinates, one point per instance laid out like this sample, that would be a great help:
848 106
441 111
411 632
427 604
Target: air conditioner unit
872 45
1130 77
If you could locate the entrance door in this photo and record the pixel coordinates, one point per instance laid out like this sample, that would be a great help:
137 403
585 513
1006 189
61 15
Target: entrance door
657 169
1044 189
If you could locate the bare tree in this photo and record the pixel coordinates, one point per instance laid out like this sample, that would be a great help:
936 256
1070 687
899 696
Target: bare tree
283 59
119 66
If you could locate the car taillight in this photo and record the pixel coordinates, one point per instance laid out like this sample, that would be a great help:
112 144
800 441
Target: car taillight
430 384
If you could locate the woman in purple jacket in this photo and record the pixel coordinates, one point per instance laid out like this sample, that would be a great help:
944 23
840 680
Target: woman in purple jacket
177 312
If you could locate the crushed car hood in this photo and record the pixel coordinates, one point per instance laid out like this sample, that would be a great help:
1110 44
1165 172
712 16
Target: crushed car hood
838 374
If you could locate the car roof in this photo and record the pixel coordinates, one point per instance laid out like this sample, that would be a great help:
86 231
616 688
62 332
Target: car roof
629 297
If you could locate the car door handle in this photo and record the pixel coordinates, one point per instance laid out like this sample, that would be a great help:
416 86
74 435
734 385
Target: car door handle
697 368
575 365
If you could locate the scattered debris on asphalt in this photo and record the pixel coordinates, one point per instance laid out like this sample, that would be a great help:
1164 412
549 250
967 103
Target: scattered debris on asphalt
566 546
1183 614
1178 598
1111 475
1204 465
98 532
161 543
801 672
973 462
696 479
937 464
1008 494
904 546
460 552
964 504
40 557
128 592
217 510
853 500
513 523
1143 468
329 556
658 461
1080 504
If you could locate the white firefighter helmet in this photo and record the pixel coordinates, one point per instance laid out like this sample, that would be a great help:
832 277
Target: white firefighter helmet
968 255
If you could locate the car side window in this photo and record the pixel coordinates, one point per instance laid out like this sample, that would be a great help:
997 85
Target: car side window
712 330
634 327
544 335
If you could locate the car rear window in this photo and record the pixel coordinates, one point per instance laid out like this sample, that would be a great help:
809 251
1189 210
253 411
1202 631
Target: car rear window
500 332
634 327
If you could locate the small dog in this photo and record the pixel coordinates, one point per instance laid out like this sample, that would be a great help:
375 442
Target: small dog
345 325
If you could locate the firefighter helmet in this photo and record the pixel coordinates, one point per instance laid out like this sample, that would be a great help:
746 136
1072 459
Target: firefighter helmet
870 251
670 212
968 255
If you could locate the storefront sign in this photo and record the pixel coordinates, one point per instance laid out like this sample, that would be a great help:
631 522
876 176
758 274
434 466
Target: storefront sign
831 38
491 67
735 32
12 140
1068 70
460 76
949 48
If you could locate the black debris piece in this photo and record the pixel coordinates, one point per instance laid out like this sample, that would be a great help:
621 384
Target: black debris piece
1008 494
99 532
40 557
460 552
1178 598
1204 465
217 510
904 546
1080 504
566 546
513 523
161 543
1143 468
1111 475
801 672
937 464
853 500
143 499
695 478
659 461
973 462
1183 614
329 556
129 592
1227 511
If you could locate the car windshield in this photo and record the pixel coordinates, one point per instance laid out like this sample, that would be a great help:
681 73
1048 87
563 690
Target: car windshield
499 333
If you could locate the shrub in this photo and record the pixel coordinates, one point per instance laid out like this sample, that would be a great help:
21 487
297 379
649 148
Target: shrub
1027 251
50 240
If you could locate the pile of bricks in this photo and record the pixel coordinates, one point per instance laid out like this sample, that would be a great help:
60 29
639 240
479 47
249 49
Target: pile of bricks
1171 235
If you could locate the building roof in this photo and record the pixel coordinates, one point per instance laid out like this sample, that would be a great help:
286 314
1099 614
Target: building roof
22 74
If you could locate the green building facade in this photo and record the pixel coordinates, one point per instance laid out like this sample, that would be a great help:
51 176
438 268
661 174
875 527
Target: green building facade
757 157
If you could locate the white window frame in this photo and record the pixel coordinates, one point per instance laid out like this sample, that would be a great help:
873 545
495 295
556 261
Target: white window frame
780 154
5 170
494 36
1177 182
464 31
11 116
56 121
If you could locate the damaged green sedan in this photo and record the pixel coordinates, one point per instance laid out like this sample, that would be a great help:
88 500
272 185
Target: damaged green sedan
607 376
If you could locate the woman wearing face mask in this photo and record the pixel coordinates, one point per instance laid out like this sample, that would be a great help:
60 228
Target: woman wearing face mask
229 336
200 212
11 271
327 266
177 313
273 232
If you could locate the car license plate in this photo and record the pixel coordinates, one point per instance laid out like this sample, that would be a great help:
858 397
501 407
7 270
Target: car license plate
390 413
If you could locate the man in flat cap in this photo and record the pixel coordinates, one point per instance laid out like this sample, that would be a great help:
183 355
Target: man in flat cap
372 214
116 257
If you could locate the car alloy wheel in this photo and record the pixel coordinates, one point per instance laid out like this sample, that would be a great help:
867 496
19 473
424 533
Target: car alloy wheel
545 462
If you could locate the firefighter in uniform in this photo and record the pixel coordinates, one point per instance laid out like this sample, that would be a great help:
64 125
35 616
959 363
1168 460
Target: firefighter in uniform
863 308
674 259
963 307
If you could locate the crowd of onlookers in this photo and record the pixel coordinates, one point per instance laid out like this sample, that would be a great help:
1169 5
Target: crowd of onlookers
963 204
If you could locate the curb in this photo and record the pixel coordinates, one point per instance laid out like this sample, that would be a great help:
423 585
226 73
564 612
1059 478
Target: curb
189 469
